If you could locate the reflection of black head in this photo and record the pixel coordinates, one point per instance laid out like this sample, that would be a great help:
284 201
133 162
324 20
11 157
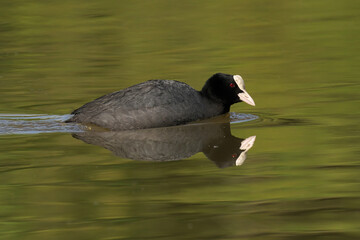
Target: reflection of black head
225 151
170 143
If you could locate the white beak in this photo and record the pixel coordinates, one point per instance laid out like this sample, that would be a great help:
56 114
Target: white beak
245 97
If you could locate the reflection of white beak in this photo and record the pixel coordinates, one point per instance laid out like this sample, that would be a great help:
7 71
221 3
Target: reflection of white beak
240 160
246 144
245 97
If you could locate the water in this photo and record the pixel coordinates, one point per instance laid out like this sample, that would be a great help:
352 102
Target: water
299 180
35 123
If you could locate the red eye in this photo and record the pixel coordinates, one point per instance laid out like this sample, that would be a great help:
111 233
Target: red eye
232 85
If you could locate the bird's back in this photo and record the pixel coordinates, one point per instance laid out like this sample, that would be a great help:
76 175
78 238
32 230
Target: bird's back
155 103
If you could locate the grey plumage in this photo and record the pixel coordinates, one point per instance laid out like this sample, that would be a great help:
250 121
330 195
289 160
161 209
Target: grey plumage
154 103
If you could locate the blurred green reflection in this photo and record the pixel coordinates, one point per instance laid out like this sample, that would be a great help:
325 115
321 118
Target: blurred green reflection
298 58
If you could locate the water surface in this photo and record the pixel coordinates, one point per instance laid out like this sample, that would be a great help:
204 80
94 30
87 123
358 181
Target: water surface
299 61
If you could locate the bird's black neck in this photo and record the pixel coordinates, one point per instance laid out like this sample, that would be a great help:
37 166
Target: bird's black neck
208 94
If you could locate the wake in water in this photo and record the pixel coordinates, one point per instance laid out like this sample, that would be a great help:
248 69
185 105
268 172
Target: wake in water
241 117
42 123
35 123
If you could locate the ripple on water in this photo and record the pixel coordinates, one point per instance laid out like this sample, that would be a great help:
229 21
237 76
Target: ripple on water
266 120
42 123
35 123
242 117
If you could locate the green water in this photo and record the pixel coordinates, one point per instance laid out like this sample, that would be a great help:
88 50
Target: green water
300 63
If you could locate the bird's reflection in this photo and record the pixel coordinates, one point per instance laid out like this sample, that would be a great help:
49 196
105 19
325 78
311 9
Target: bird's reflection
174 143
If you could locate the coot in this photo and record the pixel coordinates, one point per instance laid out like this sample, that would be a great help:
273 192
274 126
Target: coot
161 103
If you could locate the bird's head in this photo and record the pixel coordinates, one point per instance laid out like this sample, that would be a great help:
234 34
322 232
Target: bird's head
226 88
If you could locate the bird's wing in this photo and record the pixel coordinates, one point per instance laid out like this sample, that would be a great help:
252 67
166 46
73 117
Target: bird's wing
150 104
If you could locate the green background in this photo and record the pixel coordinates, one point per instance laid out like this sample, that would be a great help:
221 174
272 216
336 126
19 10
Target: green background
300 63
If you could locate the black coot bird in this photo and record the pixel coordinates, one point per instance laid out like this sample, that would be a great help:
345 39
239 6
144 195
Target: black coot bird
162 103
